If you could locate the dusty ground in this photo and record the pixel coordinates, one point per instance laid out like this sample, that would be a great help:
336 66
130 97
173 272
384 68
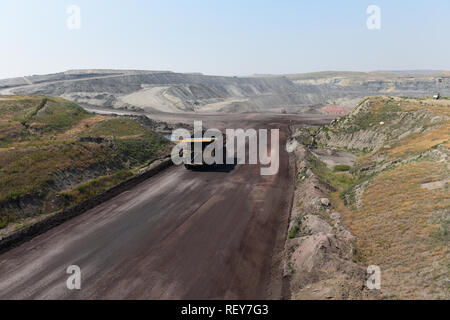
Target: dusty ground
181 234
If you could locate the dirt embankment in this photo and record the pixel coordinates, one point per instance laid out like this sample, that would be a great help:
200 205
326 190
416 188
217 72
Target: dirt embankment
54 155
319 248
384 168
16 238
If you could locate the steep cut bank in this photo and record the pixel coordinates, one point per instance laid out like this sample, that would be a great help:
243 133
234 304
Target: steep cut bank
54 155
164 91
343 88
372 189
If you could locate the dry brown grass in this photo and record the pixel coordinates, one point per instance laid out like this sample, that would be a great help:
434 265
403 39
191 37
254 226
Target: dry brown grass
399 224
436 107
396 228
419 143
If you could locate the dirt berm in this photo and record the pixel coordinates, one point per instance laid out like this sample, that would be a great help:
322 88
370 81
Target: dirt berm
56 219
319 249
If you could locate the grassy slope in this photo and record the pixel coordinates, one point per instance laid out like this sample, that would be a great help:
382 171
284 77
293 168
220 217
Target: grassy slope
401 225
45 142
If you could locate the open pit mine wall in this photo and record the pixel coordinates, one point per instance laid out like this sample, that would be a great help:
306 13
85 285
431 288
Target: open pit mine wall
180 92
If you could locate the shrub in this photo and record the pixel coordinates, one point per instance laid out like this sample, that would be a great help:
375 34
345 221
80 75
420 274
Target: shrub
4 221
13 196
295 229
82 188
293 232
67 196
341 167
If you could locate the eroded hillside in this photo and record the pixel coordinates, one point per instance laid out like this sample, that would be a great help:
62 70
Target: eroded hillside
385 170
54 154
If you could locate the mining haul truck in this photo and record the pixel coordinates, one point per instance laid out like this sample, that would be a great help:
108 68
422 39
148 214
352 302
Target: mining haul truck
197 159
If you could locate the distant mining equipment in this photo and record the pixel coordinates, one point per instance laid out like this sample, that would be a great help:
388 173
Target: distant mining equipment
438 95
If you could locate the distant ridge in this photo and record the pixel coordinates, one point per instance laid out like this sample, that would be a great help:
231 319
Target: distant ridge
166 91
412 71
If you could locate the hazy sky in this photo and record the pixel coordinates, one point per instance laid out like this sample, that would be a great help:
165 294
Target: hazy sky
224 37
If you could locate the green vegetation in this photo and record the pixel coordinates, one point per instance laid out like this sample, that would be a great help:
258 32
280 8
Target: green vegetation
337 180
306 135
295 229
293 232
31 170
301 175
381 113
342 167
5 220
53 116
395 199
47 144
117 127
144 148
291 269
93 187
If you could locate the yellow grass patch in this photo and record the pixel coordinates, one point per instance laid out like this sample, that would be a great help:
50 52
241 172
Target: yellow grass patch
421 142
436 107
396 228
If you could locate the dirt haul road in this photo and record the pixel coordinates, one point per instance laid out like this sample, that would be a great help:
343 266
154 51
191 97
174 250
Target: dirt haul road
179 235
